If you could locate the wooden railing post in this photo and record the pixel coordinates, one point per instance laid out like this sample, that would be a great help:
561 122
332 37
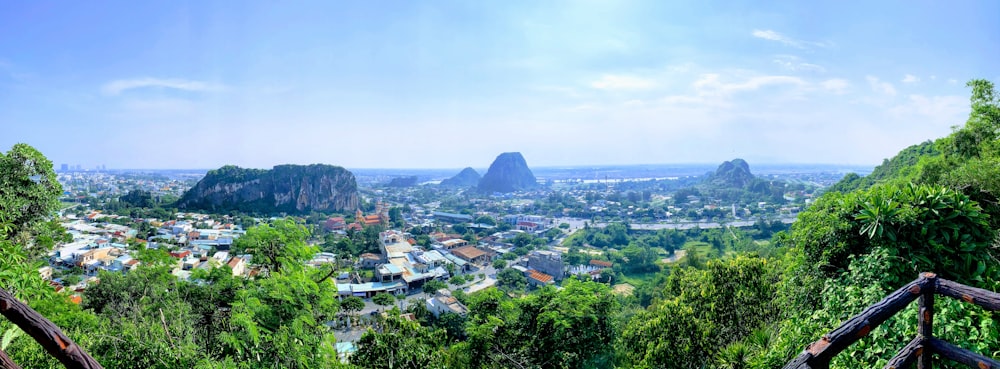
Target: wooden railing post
925 319
924 345
48 335
6 362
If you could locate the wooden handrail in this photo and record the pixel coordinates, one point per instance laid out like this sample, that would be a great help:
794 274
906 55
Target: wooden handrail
908 355
45 333
962 355
818 354
6 362
985 299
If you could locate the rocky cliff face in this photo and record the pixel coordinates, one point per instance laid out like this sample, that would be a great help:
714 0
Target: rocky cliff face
285 188
508 173
468 177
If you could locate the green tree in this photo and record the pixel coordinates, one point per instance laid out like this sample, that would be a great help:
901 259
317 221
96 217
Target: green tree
511 280
704 310
401 344
352 304
433 286
29 192
384 299
486 219
277 245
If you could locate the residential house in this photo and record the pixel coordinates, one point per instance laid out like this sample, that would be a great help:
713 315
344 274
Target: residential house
539 279
444 302
547 262
369 260
238 265
92 255
472 255
454 243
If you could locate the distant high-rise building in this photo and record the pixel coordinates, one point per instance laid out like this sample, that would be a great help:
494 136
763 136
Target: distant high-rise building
64 167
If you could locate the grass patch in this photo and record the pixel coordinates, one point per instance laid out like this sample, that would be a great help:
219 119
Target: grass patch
637 279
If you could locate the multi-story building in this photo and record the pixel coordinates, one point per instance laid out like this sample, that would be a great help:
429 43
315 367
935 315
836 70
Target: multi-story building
548 262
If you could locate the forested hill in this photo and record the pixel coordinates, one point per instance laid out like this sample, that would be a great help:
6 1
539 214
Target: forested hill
903 165
293 189
468 177
733 182
735 173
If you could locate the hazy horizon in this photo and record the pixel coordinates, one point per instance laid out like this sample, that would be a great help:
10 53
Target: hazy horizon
482 169
440 85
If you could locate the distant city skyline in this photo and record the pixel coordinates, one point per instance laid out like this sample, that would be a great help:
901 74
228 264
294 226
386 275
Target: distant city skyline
448 84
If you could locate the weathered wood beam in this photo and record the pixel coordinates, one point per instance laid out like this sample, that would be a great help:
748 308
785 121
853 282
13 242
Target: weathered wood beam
925 319
987 299
45 333
800 362
961 355
908 355
6 362
860 325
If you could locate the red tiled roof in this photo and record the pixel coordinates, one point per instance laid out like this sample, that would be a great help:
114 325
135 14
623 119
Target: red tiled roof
234 262
600 263
539 276
180 254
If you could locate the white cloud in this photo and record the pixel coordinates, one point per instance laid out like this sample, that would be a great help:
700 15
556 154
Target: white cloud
880 86
118 86
953 81
622 82
778 37
794 63
836 85
909 78
942 110
712 84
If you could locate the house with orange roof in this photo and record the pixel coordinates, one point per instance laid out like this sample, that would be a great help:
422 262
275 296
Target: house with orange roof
471 254
539 279
238 265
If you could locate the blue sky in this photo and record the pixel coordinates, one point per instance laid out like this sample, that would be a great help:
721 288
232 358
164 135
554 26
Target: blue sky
425 84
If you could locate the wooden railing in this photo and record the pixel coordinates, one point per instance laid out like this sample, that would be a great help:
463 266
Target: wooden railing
818 354
45 333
